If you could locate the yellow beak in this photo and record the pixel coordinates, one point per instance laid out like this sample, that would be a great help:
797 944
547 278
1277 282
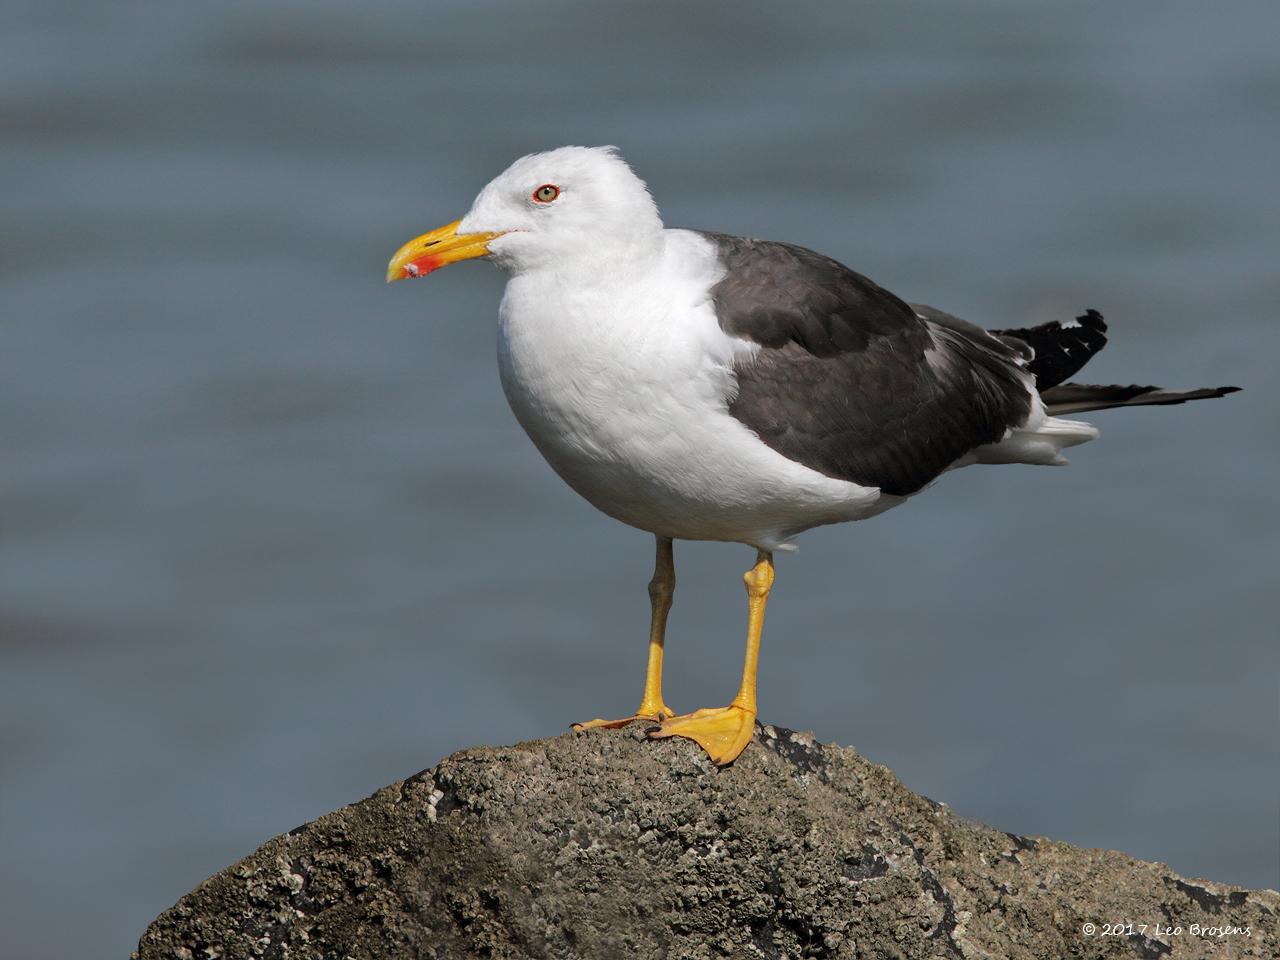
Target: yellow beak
437 249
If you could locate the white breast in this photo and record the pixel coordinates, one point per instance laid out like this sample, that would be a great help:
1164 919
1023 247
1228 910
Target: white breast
623 385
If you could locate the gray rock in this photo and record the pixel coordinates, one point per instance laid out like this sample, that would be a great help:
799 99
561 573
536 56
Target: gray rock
603 845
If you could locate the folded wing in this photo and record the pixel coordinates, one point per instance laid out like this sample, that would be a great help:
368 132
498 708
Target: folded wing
851 381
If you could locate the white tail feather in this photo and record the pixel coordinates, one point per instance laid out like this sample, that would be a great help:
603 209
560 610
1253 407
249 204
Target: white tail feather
1042 444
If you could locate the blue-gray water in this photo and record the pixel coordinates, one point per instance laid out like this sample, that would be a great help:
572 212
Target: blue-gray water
270 538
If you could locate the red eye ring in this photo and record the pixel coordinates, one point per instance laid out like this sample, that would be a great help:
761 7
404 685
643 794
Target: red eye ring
546 193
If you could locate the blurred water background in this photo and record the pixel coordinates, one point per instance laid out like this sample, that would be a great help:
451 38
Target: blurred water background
269 538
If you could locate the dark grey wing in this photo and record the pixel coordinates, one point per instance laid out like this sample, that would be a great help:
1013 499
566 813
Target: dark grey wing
1017 346
849 380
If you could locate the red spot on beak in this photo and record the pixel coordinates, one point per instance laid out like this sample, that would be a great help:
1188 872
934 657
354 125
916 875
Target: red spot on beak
421 266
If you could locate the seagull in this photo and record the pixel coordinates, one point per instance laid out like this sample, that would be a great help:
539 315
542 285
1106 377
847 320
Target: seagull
701 386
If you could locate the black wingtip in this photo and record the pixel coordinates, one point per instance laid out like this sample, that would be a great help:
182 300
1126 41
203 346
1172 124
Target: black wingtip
1092 319
1081 397
1061 349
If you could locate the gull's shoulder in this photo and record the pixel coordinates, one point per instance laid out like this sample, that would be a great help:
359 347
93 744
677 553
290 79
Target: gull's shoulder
692 255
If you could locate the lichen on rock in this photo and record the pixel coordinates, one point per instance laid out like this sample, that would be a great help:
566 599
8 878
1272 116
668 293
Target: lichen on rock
605 845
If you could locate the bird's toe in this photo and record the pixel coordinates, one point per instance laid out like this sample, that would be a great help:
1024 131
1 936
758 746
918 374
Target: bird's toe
723 732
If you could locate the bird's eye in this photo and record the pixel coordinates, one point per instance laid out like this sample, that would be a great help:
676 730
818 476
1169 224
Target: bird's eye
546 193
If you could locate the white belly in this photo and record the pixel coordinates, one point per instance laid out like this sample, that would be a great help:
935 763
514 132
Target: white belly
631 411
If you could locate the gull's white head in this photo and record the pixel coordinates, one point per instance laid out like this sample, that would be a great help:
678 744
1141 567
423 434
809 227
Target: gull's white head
574 206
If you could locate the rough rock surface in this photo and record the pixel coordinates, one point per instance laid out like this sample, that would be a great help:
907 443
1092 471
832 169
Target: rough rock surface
603 845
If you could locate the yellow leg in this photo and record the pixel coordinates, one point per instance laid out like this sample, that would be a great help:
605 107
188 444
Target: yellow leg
724 732
661 589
